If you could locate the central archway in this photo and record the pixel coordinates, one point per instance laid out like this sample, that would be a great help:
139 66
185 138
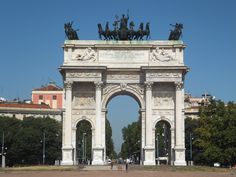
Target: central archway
123 115
124 90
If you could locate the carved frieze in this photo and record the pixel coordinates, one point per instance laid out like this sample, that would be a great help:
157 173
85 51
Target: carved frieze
161 55
163 112
164 74
126 76
83 112
83 74
87 55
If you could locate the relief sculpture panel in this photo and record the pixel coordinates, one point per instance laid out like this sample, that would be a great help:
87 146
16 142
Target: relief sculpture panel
164 100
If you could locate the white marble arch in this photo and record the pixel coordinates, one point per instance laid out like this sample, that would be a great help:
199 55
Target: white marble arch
134 68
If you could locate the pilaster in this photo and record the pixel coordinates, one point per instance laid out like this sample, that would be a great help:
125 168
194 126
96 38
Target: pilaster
67 149
149 147
98 150
179 126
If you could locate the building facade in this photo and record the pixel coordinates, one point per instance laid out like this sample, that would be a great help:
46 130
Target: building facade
50 94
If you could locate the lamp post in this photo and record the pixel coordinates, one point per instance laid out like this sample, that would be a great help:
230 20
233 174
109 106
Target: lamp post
84 147
43 148
3 153
191 149
157 151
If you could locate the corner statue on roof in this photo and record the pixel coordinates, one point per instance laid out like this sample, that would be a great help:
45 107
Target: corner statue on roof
70 32
177 32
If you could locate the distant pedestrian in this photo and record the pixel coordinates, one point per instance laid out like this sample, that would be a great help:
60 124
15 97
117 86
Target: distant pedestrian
111 164
126 165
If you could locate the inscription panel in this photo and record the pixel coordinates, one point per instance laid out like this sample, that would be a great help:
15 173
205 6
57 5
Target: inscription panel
123 56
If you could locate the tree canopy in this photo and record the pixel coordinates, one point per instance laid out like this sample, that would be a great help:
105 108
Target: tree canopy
24 140
214 134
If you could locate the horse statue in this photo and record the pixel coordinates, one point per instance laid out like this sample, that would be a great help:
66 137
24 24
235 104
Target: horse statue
131 32
177 32
146 32
103 33
139 33
123 31
70 32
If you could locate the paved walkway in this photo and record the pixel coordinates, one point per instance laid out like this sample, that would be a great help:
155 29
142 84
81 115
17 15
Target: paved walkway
103 168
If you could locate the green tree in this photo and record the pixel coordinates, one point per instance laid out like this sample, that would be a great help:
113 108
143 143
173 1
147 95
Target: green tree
110 151
190 135
24 140
132 144
216 135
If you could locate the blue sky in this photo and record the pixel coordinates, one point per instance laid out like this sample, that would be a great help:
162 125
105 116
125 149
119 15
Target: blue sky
32 34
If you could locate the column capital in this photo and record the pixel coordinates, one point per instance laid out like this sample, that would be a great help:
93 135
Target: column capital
179 85
68 84
148 85
98 85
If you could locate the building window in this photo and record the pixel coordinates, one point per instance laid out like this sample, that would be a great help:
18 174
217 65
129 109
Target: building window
40 97
54 97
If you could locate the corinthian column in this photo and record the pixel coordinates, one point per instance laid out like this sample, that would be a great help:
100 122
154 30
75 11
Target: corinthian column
98 86
98 150
67 127
149 146
148 113
179 125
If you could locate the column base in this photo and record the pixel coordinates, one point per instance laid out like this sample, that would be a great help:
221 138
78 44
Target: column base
67 155
98 154
149 163
180 163
149 152
180 157
67 163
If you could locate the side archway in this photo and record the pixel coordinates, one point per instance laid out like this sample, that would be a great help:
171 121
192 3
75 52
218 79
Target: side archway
163 143
84 141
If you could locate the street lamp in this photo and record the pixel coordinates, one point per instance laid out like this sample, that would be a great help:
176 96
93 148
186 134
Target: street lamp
191 149
43 141
157 151
3 154
84 147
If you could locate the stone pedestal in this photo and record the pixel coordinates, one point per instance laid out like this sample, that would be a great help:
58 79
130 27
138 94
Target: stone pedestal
98 156
180 157
149 155
67 155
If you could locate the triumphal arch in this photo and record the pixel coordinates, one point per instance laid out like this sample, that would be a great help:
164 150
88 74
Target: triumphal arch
152 72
